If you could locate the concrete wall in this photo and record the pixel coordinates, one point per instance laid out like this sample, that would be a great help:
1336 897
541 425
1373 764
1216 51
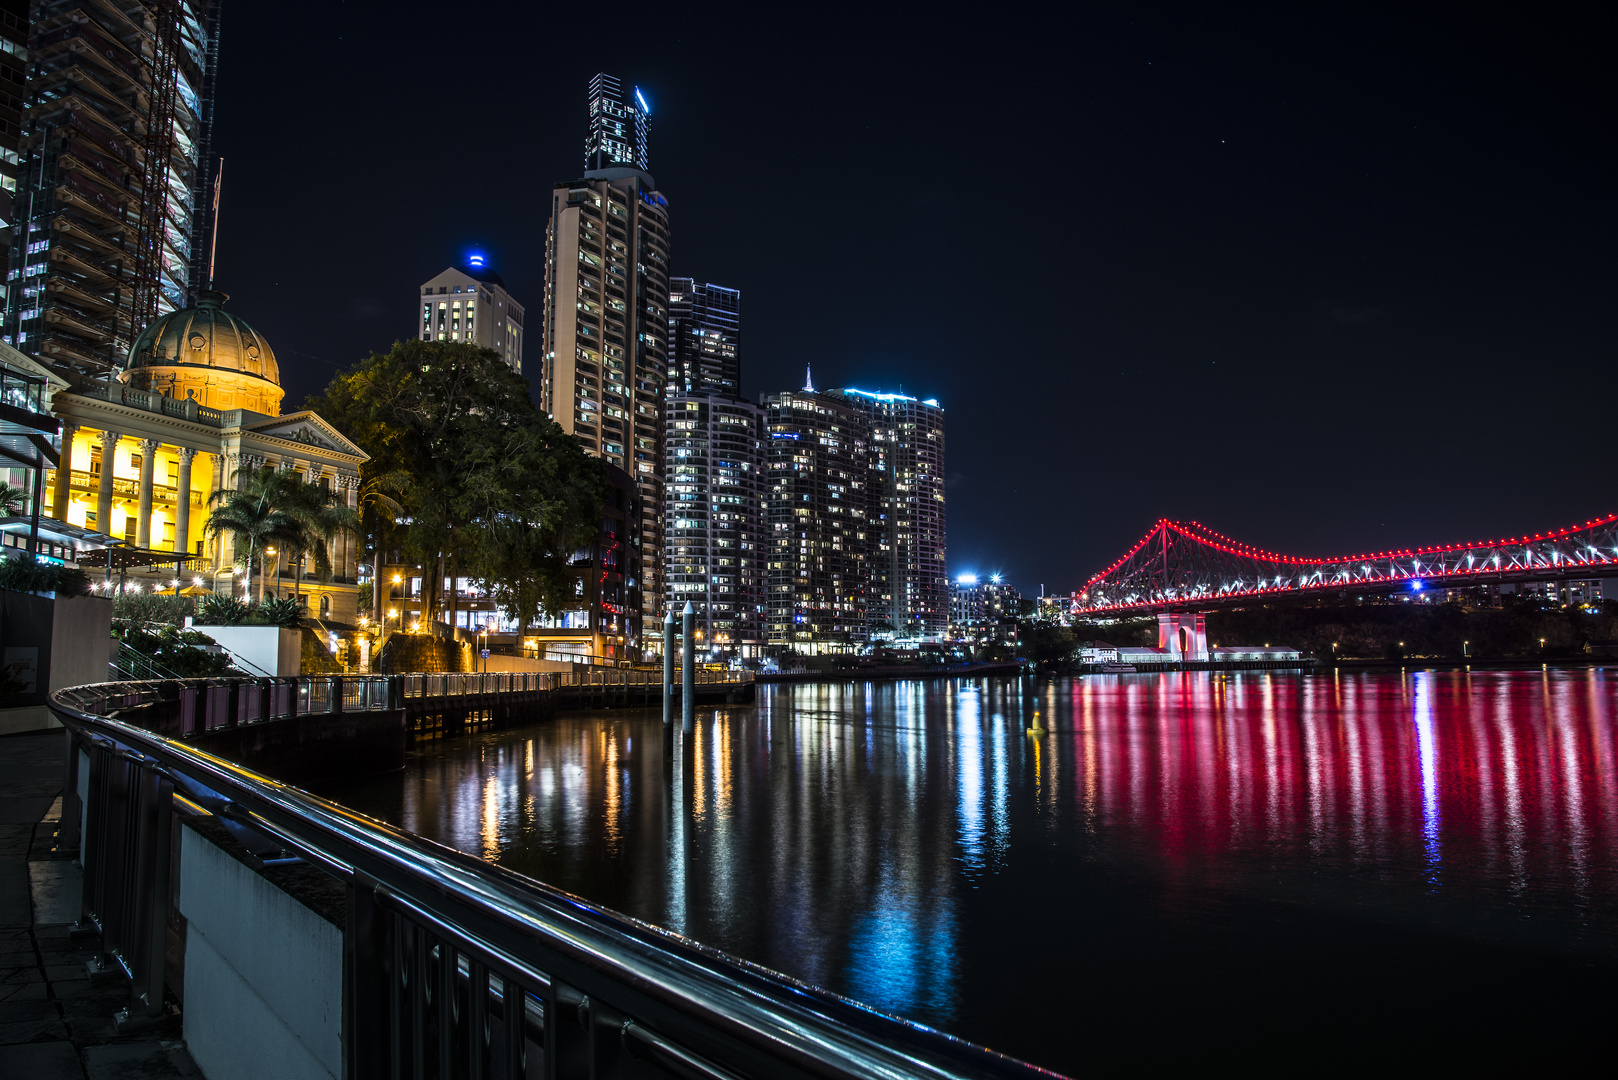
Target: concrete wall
273 650
263 973
65 640
496 662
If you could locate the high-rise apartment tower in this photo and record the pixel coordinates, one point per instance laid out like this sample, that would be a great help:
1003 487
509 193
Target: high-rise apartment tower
470 303
110 226
909 584
713 520
816 520
705 337
605 332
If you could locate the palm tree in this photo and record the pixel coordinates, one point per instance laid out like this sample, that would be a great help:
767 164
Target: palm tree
255 516
320 517
12 499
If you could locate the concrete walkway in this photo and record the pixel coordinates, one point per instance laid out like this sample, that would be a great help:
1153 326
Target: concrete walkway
54 1023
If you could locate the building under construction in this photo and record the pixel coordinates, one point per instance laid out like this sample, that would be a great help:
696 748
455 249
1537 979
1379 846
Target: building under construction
111 210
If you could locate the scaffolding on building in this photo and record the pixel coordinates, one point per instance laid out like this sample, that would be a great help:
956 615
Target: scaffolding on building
118 103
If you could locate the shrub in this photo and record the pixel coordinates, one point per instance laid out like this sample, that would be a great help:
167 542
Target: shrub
152 607
25 575
175 651
280 611
217 610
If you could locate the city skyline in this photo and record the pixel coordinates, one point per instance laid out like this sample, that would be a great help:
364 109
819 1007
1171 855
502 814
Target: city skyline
1200 224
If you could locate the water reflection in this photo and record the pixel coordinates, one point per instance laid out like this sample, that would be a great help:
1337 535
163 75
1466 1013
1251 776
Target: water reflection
913 846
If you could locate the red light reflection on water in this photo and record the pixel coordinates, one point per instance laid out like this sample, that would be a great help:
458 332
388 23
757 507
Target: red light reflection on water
1495 782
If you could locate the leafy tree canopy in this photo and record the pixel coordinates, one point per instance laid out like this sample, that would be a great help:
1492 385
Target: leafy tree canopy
489 487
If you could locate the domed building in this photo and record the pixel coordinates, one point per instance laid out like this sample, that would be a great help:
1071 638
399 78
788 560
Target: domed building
208 355
198 400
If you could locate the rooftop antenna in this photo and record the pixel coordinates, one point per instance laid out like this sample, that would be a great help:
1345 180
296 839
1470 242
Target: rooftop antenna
808 379
213 239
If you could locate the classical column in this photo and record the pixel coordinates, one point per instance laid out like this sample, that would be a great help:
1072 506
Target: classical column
182 503
109 451
148 463
351 540
64 474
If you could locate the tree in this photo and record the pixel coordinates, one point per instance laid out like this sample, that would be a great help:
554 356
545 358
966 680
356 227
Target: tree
483 484
12 499
320 516
255 517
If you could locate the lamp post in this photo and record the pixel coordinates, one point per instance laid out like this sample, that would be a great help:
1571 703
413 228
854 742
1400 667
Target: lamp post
1464 646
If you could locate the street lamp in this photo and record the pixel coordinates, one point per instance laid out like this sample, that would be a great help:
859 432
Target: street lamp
1464 644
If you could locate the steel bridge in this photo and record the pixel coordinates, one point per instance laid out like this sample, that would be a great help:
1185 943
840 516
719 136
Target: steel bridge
1180 565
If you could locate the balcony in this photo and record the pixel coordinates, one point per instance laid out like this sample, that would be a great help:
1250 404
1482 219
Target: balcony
123 488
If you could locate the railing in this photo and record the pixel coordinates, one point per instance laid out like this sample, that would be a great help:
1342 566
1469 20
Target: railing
455 966
462 683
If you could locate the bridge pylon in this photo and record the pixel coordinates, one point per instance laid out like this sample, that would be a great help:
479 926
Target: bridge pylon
1184 634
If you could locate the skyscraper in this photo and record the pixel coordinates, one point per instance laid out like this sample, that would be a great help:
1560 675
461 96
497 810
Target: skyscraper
605 335
713 521
907 575
816 519
470 303
705 335
110 224
618 125
13 91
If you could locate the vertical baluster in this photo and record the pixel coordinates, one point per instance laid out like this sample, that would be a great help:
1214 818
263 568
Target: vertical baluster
477 1018
420 990
514 1006
398 986
367 997
446 1010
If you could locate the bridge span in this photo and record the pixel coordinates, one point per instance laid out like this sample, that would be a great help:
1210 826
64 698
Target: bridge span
1182 565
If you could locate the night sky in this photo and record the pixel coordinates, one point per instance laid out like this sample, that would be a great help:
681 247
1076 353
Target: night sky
1325 281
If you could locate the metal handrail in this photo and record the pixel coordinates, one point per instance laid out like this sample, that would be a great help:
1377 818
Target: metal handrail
603 986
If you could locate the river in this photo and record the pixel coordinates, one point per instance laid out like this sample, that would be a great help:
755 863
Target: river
1266 870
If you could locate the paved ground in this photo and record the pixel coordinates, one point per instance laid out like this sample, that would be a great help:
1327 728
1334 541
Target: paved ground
54 1023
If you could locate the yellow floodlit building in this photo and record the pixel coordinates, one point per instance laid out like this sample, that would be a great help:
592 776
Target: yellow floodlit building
199 399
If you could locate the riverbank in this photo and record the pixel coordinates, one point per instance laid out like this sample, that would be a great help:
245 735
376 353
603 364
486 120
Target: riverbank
894 671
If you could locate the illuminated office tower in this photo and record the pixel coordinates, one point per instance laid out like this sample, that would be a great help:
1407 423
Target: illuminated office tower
713 519
908 585
705 338
471 304
605 320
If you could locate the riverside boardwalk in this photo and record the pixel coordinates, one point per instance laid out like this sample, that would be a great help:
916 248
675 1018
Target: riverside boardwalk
55 1022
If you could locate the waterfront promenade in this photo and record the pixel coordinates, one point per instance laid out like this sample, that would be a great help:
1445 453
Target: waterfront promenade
55 1023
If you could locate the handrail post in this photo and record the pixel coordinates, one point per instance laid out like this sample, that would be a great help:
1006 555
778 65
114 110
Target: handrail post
688 675
334 694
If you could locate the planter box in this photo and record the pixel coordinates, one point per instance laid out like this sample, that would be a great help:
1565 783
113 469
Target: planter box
260 650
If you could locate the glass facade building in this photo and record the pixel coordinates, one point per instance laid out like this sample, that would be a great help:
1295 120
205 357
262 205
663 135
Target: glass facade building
713 552
705 335
817 521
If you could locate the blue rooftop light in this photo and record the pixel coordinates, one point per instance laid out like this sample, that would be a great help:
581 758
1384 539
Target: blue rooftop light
475 259
645 108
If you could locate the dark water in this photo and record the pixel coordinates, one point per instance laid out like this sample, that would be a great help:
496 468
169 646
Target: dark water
1267 870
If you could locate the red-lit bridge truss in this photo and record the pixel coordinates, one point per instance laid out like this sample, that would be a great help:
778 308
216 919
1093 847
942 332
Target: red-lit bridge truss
1186 565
